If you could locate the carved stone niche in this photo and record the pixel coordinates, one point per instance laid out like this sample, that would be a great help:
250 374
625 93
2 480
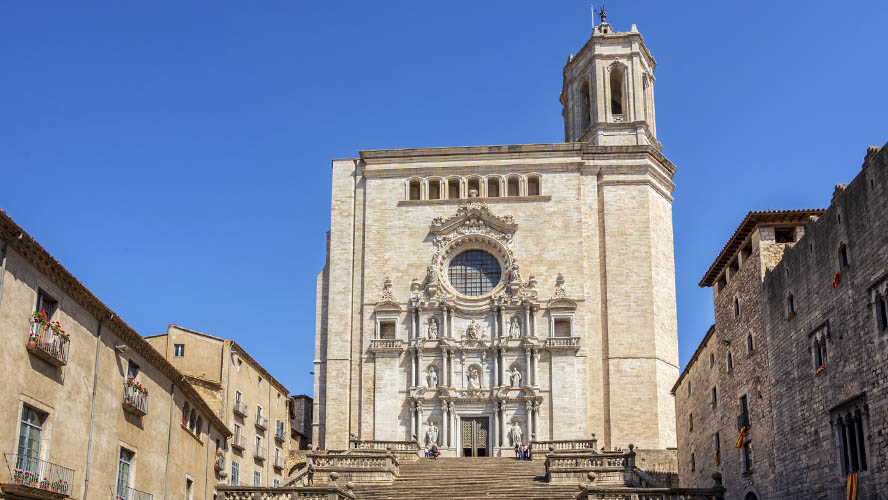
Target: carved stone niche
387 315
561 311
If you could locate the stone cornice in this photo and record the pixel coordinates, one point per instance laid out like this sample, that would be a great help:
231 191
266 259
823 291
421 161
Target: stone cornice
693 359
457 201
46 264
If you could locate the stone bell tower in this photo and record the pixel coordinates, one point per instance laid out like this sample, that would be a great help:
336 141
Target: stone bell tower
608 93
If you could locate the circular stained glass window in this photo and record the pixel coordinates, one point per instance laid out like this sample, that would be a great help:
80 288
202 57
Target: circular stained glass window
474 272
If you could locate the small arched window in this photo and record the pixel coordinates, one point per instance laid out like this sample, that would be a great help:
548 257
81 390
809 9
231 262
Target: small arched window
475 185
435 189
192 419
185 412
749 345
730 361
819 353
616 90
843 256
493 186
533 186
415 190
453 189
736 307
790 305
513 184
882 313
693 462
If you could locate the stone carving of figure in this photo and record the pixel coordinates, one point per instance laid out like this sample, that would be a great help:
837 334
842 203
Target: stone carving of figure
432 272
514 274
433 328
515 433
515 377
432 433
433 378
472 330
474 378
515 328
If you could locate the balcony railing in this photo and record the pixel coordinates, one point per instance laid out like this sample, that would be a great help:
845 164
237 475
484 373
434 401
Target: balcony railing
259 452
280 435
278 462
563 342
239 442
261 422
33 478
135 398
240 408
48 343
132 494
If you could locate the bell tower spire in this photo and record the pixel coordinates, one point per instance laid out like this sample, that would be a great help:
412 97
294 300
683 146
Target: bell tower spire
607 96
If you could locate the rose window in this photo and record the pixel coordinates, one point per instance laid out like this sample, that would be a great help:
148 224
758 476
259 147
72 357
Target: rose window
474 272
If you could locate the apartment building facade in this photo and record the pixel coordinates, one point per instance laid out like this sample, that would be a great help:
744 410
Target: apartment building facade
88 409
251 402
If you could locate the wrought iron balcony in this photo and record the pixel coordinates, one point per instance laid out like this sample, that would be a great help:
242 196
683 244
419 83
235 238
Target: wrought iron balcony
261 422
280 435
278 462
33 478
240 408
48 342
259 452
239 442
132 494
135 398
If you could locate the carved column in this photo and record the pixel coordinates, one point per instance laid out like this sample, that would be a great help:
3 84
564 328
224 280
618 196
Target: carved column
450 375
483 368
496 425
527 366
502 377
536 364
502 324
413 434
496 381
528 405
533 320
451 440
502 429
421 426
449 322
444 418
419 363
418 320
527 320
412 367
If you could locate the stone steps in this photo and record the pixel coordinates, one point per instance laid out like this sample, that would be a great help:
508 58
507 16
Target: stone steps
469 479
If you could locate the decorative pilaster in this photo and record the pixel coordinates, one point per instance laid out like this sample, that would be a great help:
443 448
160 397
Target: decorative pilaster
502 322
483 368
527 366
421 434
536 364
452 417
527 320
445 417
450 374
413 434
496 380
412 367
502 429
496 426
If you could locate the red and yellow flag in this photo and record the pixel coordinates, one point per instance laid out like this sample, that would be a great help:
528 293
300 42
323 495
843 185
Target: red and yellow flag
851 488
739 443
716 458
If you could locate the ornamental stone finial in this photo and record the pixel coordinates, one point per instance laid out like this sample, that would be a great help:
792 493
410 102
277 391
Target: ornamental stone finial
602 14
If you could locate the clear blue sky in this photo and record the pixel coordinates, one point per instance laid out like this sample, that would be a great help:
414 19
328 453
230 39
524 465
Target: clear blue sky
175 156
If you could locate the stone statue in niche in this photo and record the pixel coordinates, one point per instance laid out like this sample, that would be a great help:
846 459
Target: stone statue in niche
433 328
515 377
432 433
515 433
433 378
514 274
472 331
474 378
515 328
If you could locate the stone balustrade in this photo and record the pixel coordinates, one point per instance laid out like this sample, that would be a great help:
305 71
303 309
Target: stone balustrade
390 345
539 449
595 493
612 468
330 492
356 466
563 343
403 450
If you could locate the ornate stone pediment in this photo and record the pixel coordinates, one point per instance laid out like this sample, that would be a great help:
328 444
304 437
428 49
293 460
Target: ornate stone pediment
473 214
560 299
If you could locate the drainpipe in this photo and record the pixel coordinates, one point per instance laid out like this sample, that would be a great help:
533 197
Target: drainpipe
92 409
207 468
166 481
3 266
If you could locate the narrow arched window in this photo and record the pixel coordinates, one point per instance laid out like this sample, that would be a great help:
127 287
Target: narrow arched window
415 190
533 186
493 187
584 106
616 90
199 425
453 188
843 256
513 186
736 307
749 345
185 411
435 189
192 420
790 305
730 361
882 313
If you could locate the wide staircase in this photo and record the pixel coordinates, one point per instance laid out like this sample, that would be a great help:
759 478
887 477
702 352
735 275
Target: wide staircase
469 479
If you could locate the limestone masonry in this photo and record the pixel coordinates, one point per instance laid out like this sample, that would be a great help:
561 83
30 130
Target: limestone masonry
479 297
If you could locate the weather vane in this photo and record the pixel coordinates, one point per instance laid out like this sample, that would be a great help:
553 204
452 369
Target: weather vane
602 14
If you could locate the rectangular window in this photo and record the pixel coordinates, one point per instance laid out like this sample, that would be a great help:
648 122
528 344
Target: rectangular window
30 434
693 462
387 329
743 418
260 381
562 328
714 397
239 363
132 370
848 423
749 345
123 472
690 421
189 484
730 362
882 313
277 482
711 359
179 350
237 397
46 303
257 478
235 473
747 457
717 442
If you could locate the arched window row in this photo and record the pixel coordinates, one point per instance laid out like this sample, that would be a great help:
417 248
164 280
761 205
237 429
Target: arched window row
458 187
191 419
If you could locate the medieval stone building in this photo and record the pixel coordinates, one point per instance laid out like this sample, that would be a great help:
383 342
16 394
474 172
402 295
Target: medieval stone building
476 297
797 355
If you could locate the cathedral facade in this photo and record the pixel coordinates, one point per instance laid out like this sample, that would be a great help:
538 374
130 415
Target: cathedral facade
478 297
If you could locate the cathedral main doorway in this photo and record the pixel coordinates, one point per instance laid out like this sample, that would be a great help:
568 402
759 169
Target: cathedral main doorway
473 436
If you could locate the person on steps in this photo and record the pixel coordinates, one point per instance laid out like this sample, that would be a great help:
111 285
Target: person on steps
309 475
517 451
434 451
